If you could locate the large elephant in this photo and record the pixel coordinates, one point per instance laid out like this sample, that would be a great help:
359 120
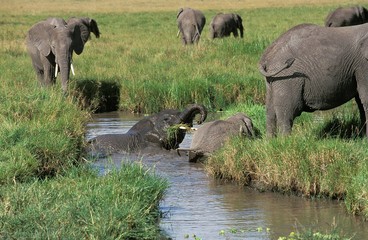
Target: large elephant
312 68
153 133
212 135
347 16
51 43
190 24
222 25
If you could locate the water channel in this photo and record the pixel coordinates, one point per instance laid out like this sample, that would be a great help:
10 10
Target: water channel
197 205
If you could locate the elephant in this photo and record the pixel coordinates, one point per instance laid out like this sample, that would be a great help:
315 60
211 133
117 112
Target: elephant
348 16
190 24
311 68
212 135
222 25
162 130
51 43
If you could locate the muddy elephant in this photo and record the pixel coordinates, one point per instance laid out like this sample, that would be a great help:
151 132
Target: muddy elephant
50 44
298 79
163 130
347 16
190 24
222 25
212 135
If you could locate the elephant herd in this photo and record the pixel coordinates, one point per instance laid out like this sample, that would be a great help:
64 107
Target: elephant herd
308 68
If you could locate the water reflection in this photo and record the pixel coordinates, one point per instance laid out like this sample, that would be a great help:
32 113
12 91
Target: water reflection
198 205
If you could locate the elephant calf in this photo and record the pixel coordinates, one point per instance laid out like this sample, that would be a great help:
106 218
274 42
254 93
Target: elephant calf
348 16
212 135
222 25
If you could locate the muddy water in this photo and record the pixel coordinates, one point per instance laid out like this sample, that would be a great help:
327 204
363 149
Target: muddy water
198 206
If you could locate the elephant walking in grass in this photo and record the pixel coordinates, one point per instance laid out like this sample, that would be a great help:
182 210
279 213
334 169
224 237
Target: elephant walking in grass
211 136
163 130
190 24
222 25
347 16
51 43
312 68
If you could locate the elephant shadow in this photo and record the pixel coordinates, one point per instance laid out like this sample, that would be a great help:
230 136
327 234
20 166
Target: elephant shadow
341 128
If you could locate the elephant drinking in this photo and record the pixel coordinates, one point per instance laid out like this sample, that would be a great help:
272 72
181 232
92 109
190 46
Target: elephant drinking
153 133
312 68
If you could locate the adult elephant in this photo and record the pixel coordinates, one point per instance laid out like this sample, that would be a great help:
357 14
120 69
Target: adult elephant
50 44
347 16
162 130
298 79
190 24
222 25
212 135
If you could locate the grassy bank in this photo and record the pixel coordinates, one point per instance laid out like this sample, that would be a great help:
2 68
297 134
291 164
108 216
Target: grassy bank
324 157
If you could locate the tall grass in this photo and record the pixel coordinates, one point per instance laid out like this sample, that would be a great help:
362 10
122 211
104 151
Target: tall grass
83 205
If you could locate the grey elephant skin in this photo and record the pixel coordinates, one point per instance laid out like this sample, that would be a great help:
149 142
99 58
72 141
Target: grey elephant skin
223 24
312 68
151 134
347 16
211 136
51 43
190 23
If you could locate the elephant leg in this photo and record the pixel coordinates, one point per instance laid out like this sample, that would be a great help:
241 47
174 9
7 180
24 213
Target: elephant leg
362 98
48 72
361 113
270 113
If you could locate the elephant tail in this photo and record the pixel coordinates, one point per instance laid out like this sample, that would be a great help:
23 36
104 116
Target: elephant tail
287 64
197 35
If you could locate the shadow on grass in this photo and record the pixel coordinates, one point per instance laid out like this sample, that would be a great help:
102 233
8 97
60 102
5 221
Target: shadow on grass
98 96
343 128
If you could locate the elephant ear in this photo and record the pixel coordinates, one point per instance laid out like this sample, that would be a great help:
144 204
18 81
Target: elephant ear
39 36
86 26
78 44
179 12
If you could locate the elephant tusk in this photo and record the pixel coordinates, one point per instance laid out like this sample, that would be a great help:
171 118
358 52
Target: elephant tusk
177 35
56 70
72 68
184 128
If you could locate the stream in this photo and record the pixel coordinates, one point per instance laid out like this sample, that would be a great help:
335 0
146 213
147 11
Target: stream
196 206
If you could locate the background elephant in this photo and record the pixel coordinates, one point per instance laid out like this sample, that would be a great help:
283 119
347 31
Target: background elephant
222 25
190 24
51 43
212 135
347 17
298 79
161 130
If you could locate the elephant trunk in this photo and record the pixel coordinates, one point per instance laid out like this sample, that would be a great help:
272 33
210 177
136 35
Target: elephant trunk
189 113
64 72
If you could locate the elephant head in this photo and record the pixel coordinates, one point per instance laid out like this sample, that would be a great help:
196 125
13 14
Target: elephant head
163 130
190 24
212 135
51 46
348 16
87 25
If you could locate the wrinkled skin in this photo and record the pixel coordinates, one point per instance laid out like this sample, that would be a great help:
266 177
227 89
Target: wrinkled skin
298 79
52 42
190 24
151 134
212 135
222 25
347 16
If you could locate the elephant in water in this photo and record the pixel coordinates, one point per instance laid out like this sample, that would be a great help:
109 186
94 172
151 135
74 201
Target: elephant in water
312 68
51 43
348 16
162 130
190 24
222 25
212 135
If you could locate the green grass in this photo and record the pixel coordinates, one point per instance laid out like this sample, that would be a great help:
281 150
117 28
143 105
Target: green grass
83 205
